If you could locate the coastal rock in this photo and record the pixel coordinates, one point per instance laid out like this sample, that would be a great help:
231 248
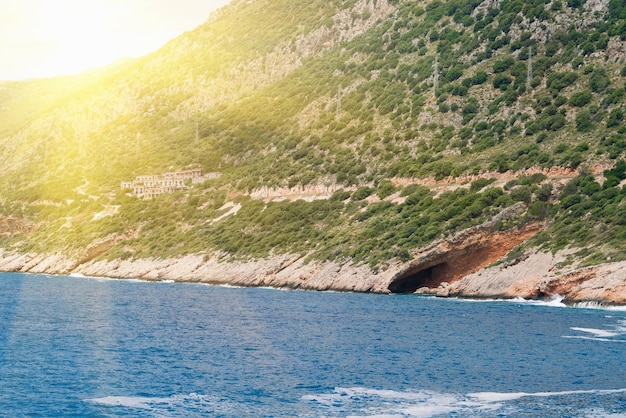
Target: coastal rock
35 263
536 278
604 283
459 266
532 277
521 279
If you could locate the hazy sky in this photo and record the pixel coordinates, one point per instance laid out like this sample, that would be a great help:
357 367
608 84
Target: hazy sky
41 38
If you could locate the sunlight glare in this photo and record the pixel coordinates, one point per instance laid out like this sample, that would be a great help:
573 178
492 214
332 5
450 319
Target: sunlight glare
81 35
44 38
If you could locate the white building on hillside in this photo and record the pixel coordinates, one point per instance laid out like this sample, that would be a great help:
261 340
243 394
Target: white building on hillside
147 187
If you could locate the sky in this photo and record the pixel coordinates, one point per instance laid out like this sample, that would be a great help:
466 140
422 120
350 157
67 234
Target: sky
44 38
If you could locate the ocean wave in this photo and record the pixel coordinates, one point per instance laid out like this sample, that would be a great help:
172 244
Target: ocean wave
555 301
600 305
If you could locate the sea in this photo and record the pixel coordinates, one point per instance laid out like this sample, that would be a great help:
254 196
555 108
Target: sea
90 347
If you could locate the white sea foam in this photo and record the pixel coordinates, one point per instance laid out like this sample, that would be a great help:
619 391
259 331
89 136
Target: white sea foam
280 289
597 332
387 394
82 276
88 277
323 399
177 405
388 403
555 301
128 401
135 280
491 397
613 333
600 305
499 397
101 279
228 286
425 404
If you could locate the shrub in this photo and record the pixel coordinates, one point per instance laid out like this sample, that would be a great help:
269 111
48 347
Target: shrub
544 192
480 77
470 108
452 74
521 194
501 163
539 210
584 122
480 183
340 196
502 65
599 80
558 81
580 99
502 81
414 188
615 118
385 188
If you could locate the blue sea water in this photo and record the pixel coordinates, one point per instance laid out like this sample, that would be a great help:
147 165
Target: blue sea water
83 347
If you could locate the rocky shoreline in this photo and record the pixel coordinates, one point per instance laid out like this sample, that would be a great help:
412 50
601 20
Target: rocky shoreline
535 276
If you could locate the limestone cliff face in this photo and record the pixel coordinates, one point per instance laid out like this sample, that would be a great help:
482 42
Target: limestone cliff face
461 266
537 276
448 261
285 271
532 278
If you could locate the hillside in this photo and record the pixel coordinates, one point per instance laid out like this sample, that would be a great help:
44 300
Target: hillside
352 132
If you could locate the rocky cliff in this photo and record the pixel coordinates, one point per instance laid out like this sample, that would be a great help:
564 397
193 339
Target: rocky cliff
461 266
533 278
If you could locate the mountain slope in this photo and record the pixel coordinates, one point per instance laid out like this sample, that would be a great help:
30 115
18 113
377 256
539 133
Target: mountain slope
415 119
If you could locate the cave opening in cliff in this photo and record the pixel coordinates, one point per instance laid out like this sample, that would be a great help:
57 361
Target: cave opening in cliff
431 276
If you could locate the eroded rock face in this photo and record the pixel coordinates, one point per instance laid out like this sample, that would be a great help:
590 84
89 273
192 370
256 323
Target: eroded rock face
465 253
532 277
460 266
536 277
451 261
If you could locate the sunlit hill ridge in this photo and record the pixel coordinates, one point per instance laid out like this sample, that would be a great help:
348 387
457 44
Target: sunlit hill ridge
354 131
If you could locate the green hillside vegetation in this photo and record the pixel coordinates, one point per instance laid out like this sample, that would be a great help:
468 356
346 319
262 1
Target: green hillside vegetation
300 93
